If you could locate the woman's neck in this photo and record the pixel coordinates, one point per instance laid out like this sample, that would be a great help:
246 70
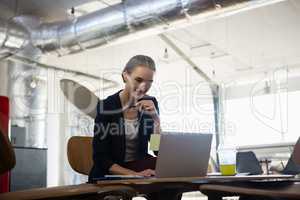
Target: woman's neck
128 112
124 96
126 100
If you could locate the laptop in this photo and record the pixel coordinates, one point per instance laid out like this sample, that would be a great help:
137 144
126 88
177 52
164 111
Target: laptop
180 155
183 155
296 152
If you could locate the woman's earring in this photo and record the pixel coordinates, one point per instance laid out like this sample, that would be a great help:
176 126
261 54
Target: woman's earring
124 80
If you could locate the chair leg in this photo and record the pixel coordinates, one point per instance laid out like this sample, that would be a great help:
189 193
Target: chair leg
164 195
117 194
212 195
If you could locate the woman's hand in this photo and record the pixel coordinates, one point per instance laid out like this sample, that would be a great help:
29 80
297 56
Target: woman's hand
146 173
149 107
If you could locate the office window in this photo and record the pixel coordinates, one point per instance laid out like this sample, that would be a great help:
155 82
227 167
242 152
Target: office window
262 119
187 110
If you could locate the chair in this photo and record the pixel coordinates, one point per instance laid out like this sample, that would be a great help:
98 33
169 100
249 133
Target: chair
246 162
80 152
7 155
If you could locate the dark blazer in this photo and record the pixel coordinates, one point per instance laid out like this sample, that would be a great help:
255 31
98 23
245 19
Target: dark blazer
109 135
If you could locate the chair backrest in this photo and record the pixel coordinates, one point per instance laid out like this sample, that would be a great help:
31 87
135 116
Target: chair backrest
246 162
80 152
7 154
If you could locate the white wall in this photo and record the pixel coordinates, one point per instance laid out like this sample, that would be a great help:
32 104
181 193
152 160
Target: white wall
3 78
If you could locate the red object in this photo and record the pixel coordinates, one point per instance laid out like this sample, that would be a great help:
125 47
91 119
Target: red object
4 121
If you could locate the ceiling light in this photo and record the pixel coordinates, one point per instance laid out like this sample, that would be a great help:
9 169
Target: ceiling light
267 88
62 51
14 42
34 82
91 7
166 54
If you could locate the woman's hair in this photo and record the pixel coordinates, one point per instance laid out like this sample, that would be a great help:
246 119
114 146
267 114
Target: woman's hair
139 60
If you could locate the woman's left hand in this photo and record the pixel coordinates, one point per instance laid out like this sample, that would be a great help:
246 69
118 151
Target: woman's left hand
149 108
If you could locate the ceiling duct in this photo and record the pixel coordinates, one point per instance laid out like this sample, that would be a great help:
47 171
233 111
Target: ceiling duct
102 26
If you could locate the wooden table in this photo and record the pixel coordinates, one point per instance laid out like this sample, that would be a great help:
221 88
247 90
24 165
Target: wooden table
205 184
196 180
284 190
81 191
167 188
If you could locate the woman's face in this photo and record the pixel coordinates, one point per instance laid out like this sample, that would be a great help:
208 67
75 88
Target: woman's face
139 81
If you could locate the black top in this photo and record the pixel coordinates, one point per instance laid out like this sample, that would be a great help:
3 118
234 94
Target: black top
109 135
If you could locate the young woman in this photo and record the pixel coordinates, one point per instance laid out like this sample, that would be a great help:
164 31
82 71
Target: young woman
124 123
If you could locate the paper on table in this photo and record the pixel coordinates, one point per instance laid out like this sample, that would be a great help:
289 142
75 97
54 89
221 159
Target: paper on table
154 142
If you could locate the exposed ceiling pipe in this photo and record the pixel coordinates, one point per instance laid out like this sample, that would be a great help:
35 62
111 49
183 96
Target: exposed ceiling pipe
102 26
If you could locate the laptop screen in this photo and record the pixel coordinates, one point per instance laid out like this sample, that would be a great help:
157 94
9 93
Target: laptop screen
183 154
296 152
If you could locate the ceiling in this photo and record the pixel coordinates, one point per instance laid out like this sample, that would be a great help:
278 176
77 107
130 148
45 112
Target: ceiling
246 45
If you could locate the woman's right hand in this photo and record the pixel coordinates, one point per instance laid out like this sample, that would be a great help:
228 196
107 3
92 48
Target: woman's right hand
146 173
